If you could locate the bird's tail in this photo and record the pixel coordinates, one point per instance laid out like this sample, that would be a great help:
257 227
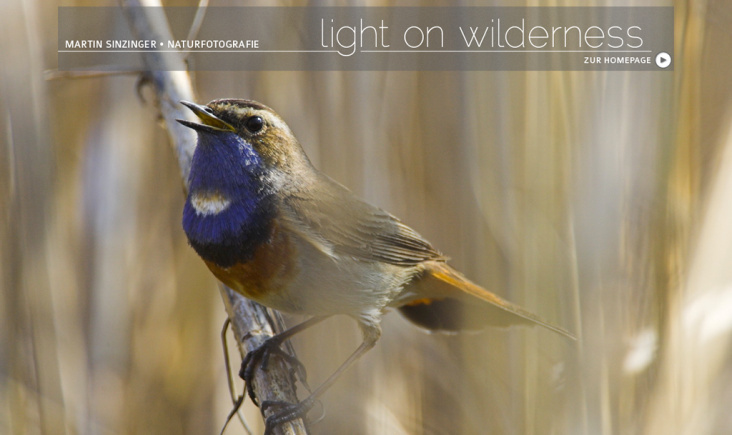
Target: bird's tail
446 300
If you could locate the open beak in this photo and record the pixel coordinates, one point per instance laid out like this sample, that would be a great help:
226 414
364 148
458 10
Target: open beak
210 123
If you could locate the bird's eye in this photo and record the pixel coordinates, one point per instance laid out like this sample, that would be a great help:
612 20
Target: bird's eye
254 124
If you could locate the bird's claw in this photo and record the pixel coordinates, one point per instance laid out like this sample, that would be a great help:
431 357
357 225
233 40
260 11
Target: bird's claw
259 357
287 412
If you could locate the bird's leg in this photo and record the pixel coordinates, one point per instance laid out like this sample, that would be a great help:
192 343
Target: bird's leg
259 357
289 411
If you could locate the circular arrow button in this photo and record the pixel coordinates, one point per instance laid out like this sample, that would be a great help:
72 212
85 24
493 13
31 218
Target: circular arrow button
663 59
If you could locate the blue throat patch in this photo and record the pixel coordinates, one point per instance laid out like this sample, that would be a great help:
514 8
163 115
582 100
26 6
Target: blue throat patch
224 164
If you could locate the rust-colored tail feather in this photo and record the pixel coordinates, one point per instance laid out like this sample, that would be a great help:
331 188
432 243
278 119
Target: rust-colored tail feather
444 305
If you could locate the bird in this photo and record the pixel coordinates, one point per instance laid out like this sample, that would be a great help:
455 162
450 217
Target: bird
275 229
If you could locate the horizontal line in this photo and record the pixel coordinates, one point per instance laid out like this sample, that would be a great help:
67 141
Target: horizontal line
183 50
359 51
505 51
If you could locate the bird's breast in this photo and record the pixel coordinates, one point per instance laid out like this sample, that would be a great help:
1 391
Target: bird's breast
272 268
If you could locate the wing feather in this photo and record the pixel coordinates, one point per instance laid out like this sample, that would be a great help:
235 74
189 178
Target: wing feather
338 223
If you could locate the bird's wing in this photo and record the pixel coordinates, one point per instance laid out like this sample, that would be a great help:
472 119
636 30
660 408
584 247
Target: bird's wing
338 223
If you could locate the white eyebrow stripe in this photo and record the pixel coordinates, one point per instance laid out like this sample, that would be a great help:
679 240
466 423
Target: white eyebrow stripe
272 119
207 204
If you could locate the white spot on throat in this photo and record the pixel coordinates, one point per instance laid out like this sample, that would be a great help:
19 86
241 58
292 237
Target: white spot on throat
209 203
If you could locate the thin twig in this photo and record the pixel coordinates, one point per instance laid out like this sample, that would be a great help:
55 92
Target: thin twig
169 78
197 22
236 399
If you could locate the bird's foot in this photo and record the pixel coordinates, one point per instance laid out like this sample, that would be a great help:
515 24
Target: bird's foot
287 412
260 356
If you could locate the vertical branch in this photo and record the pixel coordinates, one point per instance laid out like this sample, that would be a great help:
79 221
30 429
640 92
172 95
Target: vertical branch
171 82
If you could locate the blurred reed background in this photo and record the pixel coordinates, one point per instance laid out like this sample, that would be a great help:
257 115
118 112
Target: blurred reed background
601 201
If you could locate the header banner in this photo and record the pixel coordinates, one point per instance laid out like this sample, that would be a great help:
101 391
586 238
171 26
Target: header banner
380 38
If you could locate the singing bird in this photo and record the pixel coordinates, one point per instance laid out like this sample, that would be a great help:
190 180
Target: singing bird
275 229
